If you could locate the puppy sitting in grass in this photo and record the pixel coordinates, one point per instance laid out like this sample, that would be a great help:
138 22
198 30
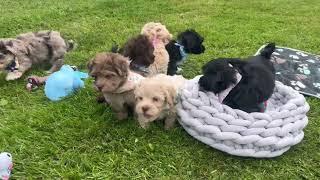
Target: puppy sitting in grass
187 42
113 78
159 36
18 55
156 99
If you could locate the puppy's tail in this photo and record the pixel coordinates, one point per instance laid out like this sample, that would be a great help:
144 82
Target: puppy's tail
71 45
268 50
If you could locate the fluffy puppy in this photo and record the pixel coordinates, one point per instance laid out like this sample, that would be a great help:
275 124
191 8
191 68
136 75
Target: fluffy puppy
140 52
156 99
157 31
115 81
249 91
158 34
18 55
188 42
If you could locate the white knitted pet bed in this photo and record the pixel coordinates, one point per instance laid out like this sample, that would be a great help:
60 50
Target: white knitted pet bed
260 135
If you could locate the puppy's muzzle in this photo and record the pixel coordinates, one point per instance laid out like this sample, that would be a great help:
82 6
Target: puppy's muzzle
145 109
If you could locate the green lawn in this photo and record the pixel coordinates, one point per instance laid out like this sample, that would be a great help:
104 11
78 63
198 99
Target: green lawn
77 138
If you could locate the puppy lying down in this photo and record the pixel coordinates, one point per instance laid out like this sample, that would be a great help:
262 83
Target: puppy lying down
19 54
156 99
249 83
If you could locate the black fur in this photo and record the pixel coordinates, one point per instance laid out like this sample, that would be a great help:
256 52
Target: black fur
192 42
255 87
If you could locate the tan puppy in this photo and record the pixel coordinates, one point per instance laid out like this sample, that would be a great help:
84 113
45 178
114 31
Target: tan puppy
159 35
156 99
115 81
18 55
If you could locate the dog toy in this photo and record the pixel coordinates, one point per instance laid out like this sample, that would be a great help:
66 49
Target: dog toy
64 82
35 81
6 165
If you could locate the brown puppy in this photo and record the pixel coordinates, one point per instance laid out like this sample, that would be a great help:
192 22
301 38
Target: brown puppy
140 52
156 99
18 55
115 81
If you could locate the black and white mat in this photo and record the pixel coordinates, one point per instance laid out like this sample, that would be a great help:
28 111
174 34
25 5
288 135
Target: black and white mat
298 69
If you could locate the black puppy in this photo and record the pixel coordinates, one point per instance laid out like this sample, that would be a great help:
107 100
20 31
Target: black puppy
255 87
188 42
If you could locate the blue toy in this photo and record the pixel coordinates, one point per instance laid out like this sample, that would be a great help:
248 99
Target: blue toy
6 165
64 82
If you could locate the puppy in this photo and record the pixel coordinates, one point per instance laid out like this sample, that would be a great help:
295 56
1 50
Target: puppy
156 99
140 52
158 34
115 81
157 31
188 42
18 55
252 81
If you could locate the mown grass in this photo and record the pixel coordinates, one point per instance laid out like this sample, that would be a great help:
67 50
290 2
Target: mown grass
77 138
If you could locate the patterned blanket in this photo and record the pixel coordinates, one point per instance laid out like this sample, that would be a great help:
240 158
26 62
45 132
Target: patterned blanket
298 69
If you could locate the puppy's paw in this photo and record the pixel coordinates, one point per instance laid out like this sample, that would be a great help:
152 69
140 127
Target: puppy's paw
13 75
169 123
168 127
144 125
48 72
122 115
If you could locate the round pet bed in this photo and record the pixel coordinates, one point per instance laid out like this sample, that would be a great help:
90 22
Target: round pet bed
260 135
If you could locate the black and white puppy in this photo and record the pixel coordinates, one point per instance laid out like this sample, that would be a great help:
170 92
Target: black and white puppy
254 87
188 42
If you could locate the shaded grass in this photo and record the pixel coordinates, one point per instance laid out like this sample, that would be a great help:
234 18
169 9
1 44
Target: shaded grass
78 138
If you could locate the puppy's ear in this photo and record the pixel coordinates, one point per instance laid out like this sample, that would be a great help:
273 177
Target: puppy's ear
10 48
210 82
170 95
2 46
122 66
89 65
168 38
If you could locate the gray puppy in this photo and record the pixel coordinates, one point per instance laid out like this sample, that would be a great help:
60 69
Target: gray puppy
18 55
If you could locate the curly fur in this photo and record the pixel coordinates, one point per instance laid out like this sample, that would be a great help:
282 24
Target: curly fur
140 51
111 71
192 43
158 31
158 34
43 47
156 99
255 87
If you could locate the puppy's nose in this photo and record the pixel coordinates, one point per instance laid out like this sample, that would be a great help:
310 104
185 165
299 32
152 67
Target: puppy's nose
145 108
99 87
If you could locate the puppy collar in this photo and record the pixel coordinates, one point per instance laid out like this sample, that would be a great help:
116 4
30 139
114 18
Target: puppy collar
137 67
182 51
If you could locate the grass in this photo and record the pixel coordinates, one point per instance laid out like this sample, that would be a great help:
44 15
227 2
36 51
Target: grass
77 138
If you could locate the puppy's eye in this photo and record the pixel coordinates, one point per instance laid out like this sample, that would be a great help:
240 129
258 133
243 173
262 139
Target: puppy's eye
140 98
108 76
155 99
